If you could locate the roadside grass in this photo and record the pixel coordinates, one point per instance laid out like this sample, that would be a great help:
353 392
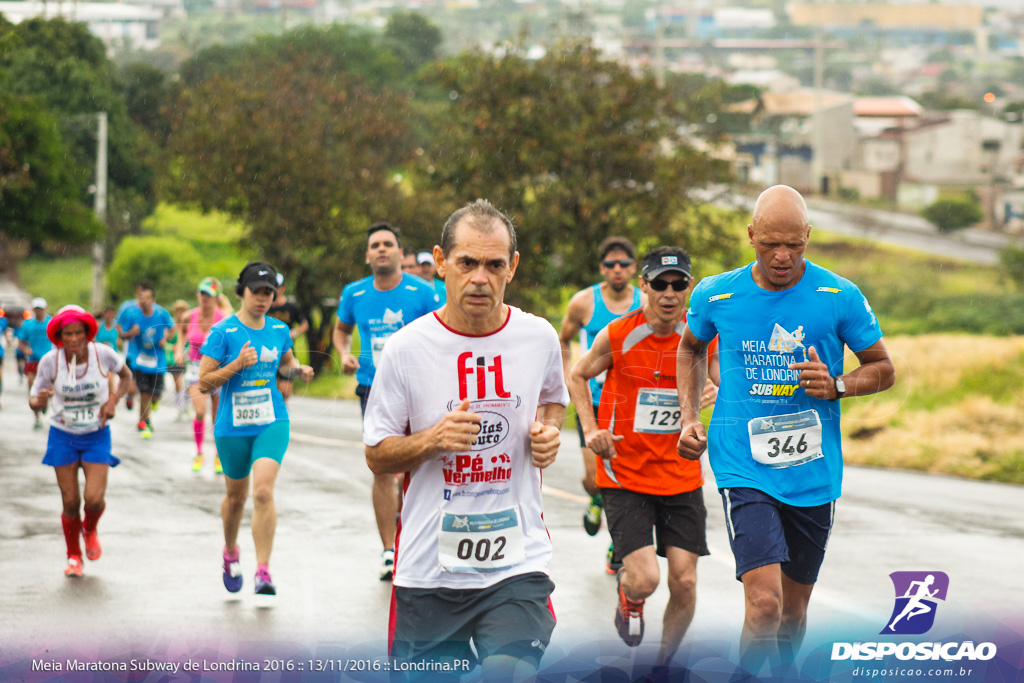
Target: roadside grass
68 280
60 281
957 408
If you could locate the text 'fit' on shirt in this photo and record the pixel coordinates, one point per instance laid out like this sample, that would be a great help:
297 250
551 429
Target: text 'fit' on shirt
472 519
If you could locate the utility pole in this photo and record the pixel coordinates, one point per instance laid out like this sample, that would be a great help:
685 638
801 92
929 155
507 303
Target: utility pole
817 165
659 46
100 207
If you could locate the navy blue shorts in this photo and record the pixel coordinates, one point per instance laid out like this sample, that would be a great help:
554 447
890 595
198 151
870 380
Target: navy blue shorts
65 448
763 531
363 392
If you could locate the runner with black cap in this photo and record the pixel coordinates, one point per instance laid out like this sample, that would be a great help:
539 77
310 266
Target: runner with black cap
292 315
243 355
644 482
75 375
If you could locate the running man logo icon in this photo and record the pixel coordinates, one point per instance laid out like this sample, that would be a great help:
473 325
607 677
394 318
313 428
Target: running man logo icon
917 596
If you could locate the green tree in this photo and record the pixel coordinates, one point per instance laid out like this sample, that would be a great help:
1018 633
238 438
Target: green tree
1011 257
172 266
953 214
412 37
40 187
575 148
304 155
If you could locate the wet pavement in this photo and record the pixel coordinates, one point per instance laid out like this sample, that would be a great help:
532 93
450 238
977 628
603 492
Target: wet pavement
157 589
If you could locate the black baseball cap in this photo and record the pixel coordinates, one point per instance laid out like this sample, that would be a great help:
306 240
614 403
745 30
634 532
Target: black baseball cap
656 264
258 275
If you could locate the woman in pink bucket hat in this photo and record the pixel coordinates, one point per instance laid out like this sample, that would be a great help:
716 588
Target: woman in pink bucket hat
74 374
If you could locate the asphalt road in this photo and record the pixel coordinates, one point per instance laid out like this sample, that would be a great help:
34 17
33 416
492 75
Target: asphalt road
157 589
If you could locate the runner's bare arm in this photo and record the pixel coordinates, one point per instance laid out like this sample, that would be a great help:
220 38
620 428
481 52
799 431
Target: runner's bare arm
212 375
691 378
545 434
594 362
710 394
108 409
576 316
455 433
875 374
342 338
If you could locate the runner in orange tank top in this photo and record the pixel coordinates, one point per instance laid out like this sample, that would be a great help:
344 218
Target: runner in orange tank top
646 486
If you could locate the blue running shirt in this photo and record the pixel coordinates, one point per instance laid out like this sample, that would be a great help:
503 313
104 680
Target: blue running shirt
599 320
249 401
144 351
378 315
33 333
766 433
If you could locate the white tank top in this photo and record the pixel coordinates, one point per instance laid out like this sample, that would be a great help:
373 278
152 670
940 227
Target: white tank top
79 392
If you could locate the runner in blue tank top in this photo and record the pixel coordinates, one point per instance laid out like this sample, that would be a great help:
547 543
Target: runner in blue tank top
589 311
380 305
243 355
774 441
34 344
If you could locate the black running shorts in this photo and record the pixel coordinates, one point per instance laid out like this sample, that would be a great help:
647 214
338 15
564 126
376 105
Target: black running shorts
512 617
680 521
149 384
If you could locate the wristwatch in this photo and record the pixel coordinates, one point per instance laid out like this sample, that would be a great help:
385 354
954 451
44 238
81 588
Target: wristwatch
840 387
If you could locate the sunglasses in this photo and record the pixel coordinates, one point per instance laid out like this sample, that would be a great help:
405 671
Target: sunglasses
676 285
621 263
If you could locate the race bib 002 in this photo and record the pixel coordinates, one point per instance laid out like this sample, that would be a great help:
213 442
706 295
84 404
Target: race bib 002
657 411
785 440
252 408
481 542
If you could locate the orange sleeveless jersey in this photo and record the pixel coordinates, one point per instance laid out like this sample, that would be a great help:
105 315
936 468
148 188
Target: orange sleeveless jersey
639 402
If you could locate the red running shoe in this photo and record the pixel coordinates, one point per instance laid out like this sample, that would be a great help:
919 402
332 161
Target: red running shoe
629 617
74 568
92 544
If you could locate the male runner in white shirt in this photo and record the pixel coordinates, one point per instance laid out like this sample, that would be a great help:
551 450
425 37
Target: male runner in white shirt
468 402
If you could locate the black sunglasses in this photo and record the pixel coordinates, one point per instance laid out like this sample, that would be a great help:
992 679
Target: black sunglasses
622 263
676 285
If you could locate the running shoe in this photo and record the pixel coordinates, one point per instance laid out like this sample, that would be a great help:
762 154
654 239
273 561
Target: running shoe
155 406
264 584
38 424
74 568
92 544
592 517
387 565
232 574
217 469
629 617
129 402
197 462
612 563
147 432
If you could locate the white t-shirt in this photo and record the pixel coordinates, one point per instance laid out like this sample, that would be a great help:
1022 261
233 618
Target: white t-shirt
469 520
80 389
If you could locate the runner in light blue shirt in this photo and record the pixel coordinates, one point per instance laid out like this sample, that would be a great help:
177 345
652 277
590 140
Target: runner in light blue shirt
34 344
774 442
379 305
243 355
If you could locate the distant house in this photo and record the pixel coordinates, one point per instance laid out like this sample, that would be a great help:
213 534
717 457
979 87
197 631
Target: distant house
118 25
779 145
